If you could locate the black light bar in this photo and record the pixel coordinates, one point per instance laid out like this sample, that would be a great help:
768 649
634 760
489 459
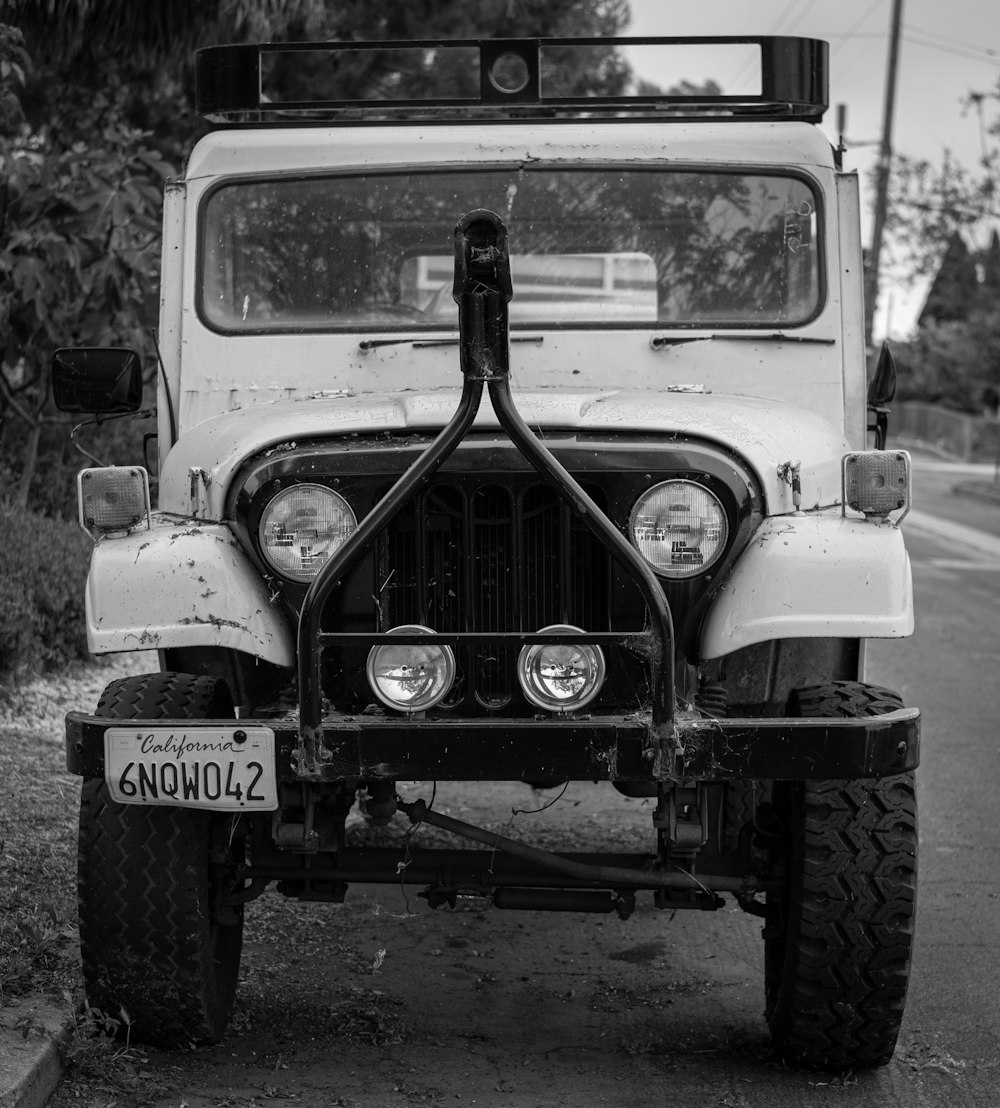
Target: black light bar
233 81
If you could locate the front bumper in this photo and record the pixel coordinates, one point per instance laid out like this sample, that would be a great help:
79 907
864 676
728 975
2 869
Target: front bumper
599 748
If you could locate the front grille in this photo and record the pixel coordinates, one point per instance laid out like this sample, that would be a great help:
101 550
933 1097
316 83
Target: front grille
509 557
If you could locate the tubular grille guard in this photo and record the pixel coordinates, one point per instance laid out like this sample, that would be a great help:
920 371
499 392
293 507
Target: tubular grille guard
483 290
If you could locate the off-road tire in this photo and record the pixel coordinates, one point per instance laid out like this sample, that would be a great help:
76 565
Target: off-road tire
743 797
152 956
838 945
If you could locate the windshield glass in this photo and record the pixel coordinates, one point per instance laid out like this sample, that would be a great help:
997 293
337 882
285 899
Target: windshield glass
590 246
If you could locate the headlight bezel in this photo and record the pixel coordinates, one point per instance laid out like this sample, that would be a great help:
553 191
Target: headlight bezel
526 667
697 569
287 491
418 653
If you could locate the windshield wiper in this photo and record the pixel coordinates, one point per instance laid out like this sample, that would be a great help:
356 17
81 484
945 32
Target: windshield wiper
661 342
371 344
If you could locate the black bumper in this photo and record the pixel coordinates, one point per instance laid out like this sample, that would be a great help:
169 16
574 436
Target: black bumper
605 748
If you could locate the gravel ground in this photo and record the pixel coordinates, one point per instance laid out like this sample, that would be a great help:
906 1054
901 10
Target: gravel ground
42 703
38 817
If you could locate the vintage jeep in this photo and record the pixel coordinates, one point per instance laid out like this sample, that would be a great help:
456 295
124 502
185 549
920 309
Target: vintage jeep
652 559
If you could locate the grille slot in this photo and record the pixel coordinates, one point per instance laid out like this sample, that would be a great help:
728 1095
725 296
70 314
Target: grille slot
494 557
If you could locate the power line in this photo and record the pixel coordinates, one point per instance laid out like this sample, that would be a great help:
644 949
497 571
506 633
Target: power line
746 67
785 12
810 4
945 38
990 57
852 31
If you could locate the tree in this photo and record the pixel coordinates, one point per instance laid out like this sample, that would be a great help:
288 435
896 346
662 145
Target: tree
955 290
934 212
96 110
79 228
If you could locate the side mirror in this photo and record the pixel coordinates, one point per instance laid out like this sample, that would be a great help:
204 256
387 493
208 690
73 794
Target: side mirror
883 384
96 379
880 391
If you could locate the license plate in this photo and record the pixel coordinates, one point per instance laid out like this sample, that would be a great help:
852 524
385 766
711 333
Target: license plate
228 769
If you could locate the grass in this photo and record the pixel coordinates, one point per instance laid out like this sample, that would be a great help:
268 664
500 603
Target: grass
39 804
38 952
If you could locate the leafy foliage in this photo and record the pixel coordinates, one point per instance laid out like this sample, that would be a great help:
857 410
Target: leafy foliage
956 286
79 246
100 113
935 212
929 204
42 621
80 239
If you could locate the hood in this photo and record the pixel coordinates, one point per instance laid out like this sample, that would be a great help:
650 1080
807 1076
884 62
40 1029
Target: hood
766 433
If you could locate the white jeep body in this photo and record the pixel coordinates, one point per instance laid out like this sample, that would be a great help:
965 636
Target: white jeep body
525 447
775 395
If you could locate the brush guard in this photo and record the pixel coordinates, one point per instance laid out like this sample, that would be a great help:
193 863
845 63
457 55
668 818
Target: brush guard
483 290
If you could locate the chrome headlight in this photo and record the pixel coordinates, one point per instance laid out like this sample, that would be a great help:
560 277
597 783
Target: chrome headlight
414 677
560 678
679 527
302 527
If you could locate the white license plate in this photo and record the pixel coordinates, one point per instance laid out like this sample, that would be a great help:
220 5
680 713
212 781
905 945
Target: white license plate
200 768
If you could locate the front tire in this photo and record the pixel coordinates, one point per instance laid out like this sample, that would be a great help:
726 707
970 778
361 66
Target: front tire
838 944
153 956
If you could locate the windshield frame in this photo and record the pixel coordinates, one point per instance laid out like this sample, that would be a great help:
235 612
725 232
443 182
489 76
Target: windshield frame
741 169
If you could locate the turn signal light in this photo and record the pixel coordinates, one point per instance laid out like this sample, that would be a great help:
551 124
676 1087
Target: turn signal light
877 482
113 498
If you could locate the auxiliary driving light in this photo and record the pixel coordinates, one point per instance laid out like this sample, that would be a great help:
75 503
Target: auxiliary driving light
560 678
411 677
679 527
302 527
877 482
113 498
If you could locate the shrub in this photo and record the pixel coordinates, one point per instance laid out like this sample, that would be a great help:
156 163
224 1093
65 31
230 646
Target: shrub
42 620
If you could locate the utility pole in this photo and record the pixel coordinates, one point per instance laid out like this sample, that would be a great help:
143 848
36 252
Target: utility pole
884 165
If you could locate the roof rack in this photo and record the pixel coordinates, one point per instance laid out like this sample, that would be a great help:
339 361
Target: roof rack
233 81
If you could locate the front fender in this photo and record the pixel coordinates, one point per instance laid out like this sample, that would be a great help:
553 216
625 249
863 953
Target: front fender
813 575
182 583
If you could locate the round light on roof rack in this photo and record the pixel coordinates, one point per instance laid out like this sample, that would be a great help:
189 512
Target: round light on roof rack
411 677
509 73
679 527
560 678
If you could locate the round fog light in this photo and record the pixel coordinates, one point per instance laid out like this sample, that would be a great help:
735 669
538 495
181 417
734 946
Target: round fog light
411 677
560 678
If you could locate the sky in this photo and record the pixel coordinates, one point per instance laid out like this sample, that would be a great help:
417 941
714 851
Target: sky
948 50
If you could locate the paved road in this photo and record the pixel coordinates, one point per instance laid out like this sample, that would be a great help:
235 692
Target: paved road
950 668
380 1002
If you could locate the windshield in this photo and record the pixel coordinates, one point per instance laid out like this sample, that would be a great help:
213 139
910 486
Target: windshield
590 246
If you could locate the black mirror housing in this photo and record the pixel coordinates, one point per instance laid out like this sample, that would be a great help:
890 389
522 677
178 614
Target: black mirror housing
883 383
104 380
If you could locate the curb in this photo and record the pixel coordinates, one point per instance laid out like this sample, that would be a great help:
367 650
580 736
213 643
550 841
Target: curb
31 1034
979 490
972 538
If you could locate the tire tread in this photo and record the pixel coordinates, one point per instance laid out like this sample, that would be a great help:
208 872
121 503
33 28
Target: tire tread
836 1002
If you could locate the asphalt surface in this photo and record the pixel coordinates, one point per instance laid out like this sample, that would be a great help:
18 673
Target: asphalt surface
956 506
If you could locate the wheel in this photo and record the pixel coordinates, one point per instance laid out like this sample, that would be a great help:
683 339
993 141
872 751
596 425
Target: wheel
838 944
153 956
743 797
